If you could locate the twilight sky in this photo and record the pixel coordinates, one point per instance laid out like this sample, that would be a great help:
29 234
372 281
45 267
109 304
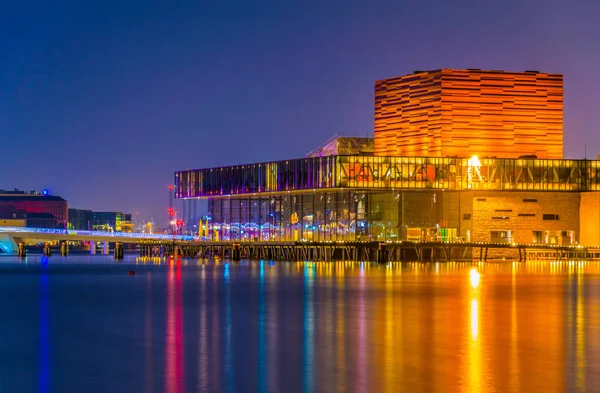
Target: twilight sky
101 101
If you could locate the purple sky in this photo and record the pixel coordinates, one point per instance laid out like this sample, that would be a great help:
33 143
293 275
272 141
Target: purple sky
101 101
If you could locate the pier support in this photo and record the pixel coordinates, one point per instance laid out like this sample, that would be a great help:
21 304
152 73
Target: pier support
104 248
118 251
22 250
64 249
236 254
382 256
47 250
92 248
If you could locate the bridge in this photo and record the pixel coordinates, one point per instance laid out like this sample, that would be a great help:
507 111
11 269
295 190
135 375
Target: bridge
11 236
152 245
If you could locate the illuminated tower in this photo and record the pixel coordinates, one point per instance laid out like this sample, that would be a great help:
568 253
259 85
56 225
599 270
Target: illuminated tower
470 112
171 211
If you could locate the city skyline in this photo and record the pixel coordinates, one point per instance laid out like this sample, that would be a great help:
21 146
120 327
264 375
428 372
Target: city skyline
102 105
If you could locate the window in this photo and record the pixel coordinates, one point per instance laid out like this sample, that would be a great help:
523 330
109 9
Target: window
501 236
466 216
549 217
529 200
480 199
500 218
538 237
502 210
526 215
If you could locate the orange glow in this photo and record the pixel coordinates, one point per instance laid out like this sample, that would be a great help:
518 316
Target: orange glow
451 112
474 278
174 367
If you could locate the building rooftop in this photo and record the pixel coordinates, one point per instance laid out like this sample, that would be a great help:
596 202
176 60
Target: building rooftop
30 197
40 215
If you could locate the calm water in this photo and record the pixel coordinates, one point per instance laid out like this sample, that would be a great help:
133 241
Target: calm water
82 324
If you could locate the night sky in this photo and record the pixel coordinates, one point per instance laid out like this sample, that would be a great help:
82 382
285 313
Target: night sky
101 102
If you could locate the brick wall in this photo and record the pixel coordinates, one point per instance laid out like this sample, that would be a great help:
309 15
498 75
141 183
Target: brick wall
521 213
589 218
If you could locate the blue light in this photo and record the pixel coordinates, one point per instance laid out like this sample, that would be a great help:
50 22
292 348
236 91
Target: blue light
45 192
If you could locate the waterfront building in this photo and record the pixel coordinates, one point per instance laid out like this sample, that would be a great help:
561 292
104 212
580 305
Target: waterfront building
112 221
11 217
80 219
34 203
459 184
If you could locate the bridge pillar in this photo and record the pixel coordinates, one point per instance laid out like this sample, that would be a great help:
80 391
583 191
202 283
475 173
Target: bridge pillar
104 248
47 250
236 253
92 248
22 250
382 256
118 251
64 249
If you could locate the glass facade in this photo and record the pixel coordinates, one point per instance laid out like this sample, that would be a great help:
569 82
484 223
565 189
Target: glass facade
347 215
405 173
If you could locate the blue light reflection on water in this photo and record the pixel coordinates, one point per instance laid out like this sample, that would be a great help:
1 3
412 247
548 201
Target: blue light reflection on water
262 357
308 339
229 371
85 325
44 378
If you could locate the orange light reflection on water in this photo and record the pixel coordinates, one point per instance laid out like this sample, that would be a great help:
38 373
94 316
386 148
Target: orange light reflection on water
408 326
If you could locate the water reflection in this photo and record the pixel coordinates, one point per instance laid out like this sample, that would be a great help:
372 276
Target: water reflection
229 375
44 349
174 381
309 329
203 350
342 326
149 373
474 346
262 356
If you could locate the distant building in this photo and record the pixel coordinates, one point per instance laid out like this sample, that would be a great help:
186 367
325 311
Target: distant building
42 220
34 203
11 217
112 221
80 219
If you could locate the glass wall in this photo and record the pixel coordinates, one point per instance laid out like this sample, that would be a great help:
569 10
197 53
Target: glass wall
467 173
391 173
318 216
332 216
290 175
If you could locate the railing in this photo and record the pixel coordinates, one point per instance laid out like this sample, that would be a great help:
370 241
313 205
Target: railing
116 235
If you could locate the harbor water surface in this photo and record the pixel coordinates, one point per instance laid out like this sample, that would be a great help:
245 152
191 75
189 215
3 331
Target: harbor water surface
86 324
